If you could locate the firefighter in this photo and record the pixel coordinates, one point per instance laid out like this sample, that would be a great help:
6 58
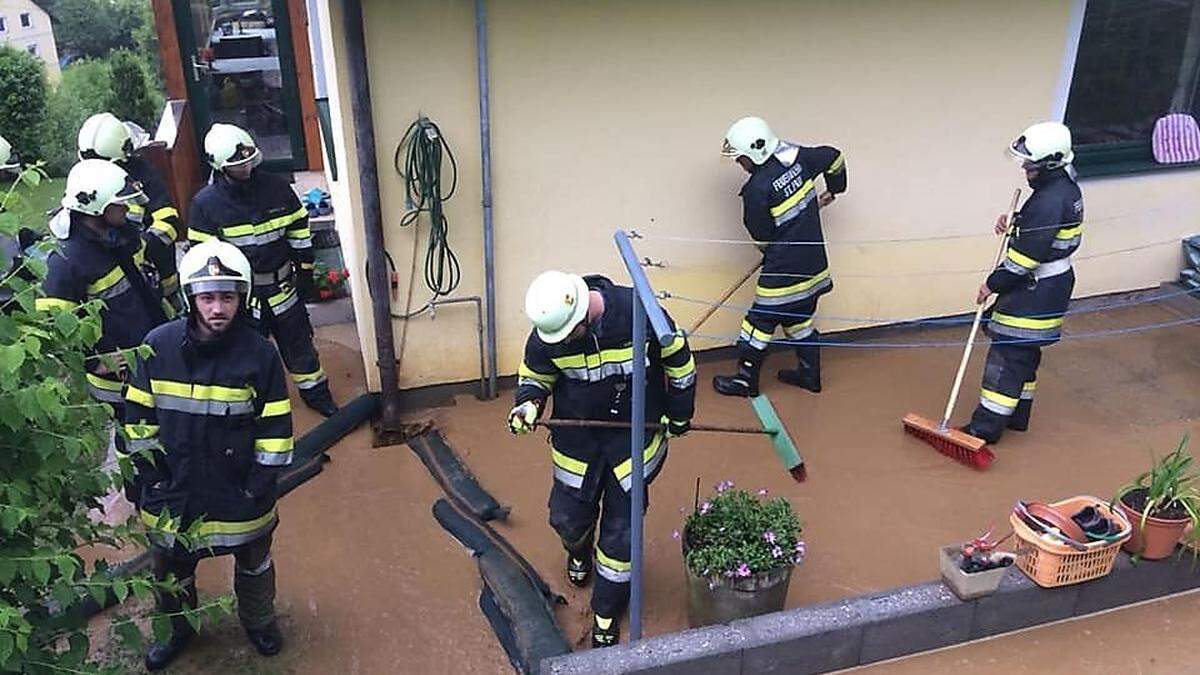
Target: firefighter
580 352
102 256
1034 282
259 213
780 210
103 136
210 406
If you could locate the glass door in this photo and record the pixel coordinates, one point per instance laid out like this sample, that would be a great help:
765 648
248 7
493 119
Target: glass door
238 63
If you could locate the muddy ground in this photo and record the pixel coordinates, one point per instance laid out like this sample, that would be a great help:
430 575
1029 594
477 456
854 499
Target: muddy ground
368 582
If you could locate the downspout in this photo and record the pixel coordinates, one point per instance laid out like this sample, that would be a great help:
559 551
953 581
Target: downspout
485 151
368 173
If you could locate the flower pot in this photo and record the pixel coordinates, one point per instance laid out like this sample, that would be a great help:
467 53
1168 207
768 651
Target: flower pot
722 600
968 586
1154 540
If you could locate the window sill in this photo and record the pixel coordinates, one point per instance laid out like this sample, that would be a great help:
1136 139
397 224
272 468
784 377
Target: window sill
1128 167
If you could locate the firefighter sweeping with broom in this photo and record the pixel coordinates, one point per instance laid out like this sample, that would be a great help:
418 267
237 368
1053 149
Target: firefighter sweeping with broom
1034 281
581 352
780 209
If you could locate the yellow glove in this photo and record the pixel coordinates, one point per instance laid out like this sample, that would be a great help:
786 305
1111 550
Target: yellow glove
523 418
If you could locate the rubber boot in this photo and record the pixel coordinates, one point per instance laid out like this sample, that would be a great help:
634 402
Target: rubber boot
579 568
807 374
745 382
320 400
1020 417
605 632
267 640
161 654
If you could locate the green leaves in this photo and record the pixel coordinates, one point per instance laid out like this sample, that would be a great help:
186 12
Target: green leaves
11 358
737 534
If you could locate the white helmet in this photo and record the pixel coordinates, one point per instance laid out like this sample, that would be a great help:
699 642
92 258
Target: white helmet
214 266
103 136
7 160
227 145
556 302
750 137
1047 144
93 184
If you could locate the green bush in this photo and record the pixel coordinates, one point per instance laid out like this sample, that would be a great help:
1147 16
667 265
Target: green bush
735 535
133 99
22 100
85 89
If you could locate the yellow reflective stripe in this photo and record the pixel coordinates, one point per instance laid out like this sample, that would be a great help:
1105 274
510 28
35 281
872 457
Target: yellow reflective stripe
755 333
625 468
201 392
792 328
164 213
238 230
1022 322
197 235
139 397
794 288
680 371
837 164
569 463
997 397
1029 386
612 563
141 431
282 221
620 355
306 266
1022 259
107 281
276 408
170 282
279 298
308 377
1069 232
164 227
273 444
677 343
47 304
526 371
782 207
104 383
211 527
303 233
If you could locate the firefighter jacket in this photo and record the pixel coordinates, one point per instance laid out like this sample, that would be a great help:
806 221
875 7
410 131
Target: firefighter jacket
1035 280
779 204
263 217
88 266
590 378
159 218
216 416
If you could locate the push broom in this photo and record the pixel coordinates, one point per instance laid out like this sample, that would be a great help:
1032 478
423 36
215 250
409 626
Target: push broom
953 443
770 425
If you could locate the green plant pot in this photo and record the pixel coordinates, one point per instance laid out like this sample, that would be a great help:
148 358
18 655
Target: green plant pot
724 599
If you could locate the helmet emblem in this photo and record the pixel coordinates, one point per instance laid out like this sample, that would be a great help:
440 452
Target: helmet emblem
569 300
85 197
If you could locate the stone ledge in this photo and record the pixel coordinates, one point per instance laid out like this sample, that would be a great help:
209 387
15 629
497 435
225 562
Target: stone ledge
881 626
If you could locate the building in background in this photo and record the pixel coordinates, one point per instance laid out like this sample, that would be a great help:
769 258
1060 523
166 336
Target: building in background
24 25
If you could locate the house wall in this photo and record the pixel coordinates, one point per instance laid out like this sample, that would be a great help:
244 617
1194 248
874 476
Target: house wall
39 35
610 115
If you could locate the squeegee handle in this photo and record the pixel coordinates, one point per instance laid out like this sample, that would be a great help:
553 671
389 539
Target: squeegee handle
610 424
966 357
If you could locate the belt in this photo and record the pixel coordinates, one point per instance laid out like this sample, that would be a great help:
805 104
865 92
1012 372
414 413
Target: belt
267 278
1052 268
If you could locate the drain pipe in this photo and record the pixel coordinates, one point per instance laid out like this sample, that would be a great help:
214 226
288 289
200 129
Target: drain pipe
368 175
485 152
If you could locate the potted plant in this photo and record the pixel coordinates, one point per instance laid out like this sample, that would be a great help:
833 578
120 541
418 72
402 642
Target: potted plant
330 282
1160 504
739 550
974 569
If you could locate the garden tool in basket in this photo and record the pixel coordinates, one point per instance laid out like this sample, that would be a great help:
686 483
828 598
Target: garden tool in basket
769 424
953 443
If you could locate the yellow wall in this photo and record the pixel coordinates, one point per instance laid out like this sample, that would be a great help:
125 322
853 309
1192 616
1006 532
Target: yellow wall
610 115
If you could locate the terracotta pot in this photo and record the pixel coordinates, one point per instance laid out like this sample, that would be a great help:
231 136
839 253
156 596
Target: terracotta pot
1157 539
723 600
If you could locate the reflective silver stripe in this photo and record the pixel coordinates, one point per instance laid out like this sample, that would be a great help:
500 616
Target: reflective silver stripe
1052 268
615 576
261 569
1027 395
238 539
784 217
567 478
754 342
1025 333
139 444
300 243
800 334
104 395
196 406
794 297
309 384
649 467
284 306
683 382
529 381
1014 267
1067 244
268 237
244 240
273 458
603 371
161 236
268 278
115 290
998 408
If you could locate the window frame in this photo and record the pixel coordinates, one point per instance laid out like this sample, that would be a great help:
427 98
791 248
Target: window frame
3 24
26 20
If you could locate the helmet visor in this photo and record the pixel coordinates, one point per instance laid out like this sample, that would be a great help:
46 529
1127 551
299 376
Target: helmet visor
246 154
215 286
130 193
727 150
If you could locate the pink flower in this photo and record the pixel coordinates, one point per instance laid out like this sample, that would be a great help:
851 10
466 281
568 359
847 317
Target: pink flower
743 570
763 492
769 536
675 534
724 485
801 551
705 507
776 552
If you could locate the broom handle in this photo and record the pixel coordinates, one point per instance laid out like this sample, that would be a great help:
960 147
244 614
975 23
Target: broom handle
962 365
729 293
610 424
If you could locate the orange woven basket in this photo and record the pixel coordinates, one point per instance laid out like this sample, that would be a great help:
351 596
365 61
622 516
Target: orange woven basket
1052 564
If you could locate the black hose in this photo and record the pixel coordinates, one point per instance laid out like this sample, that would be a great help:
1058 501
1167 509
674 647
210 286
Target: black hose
421 149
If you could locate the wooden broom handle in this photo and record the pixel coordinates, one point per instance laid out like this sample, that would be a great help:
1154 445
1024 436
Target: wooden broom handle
962 365
612 424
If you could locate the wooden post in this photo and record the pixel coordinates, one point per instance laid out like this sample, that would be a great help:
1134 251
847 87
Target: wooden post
298 18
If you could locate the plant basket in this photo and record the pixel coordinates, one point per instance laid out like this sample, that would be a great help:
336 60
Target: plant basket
714 601
969 585
1050 564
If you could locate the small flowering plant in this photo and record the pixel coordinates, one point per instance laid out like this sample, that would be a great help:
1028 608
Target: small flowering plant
736 535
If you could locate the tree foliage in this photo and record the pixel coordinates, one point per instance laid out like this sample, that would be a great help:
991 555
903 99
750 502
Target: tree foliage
133 98
93 28
22 99
86 88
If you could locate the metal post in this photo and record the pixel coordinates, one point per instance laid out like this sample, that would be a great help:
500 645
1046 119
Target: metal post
485 161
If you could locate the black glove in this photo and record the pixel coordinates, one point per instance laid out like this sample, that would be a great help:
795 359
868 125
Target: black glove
305 285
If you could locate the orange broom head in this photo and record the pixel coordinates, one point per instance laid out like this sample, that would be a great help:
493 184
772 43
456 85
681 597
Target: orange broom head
957 445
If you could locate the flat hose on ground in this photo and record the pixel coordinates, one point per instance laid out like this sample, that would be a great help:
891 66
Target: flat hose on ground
449 471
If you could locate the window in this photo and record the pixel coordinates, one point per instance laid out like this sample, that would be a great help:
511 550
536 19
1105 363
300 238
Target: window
32 49
26 22
3 25
1138 60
